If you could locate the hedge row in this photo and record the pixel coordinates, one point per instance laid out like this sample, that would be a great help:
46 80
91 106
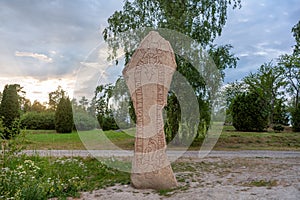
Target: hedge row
38 120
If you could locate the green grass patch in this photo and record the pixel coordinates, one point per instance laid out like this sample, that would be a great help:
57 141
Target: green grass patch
262 183
230 139
26 177
94 139
170 192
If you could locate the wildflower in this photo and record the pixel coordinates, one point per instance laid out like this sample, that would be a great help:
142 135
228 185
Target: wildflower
20 167
30 162
5 169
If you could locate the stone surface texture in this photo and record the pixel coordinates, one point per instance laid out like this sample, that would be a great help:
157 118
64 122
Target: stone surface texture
148 76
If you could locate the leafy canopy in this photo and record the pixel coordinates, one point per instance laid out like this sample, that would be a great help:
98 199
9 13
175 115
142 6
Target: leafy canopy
196 24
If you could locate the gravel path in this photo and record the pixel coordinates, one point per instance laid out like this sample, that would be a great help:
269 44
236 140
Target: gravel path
171 154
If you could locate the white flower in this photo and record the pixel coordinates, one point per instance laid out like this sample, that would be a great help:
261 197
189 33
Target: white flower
20 167
5 169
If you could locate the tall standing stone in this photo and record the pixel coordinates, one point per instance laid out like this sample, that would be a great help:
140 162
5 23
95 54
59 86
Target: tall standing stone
148 76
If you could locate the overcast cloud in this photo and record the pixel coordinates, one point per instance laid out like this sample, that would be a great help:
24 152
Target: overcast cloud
46 40
259 32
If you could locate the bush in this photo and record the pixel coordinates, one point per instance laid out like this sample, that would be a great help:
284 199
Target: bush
296 119
10 111
9 133
38 120
64 116
249 113
107 122
278 128
83 121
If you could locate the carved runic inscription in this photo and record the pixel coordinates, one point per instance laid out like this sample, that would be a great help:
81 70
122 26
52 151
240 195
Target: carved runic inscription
148 76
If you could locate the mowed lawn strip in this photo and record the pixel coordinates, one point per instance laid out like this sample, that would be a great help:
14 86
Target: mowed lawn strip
230 139
36 139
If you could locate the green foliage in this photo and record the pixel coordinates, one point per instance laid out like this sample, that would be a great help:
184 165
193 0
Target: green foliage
173 117
10 148
222 57
84 116
26 177
64 116
83 103
280 116
55 97
38 120
291 66
296 119
37 107
249 113
10 111
26 105
105 116
278 128
268 82
200 21
296 34
230 92
107 122
84 121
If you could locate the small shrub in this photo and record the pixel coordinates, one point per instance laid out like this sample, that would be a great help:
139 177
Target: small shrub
9 132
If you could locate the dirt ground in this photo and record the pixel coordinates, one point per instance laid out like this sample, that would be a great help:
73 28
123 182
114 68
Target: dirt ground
220 178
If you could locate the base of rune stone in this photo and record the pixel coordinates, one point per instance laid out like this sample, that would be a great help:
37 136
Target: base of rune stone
158 180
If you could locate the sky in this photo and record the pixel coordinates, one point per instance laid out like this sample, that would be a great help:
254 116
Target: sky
44 43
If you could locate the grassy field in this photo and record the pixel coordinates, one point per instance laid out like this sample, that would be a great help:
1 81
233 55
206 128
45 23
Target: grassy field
94 139
229 140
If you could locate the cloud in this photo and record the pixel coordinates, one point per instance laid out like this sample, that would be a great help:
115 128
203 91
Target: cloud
52 52
40 57
260 31
59 34
260 53
242 54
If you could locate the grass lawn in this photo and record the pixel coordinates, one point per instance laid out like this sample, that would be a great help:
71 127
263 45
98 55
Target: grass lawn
230 139
36 139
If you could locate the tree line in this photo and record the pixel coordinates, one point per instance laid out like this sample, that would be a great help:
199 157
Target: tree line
17 112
